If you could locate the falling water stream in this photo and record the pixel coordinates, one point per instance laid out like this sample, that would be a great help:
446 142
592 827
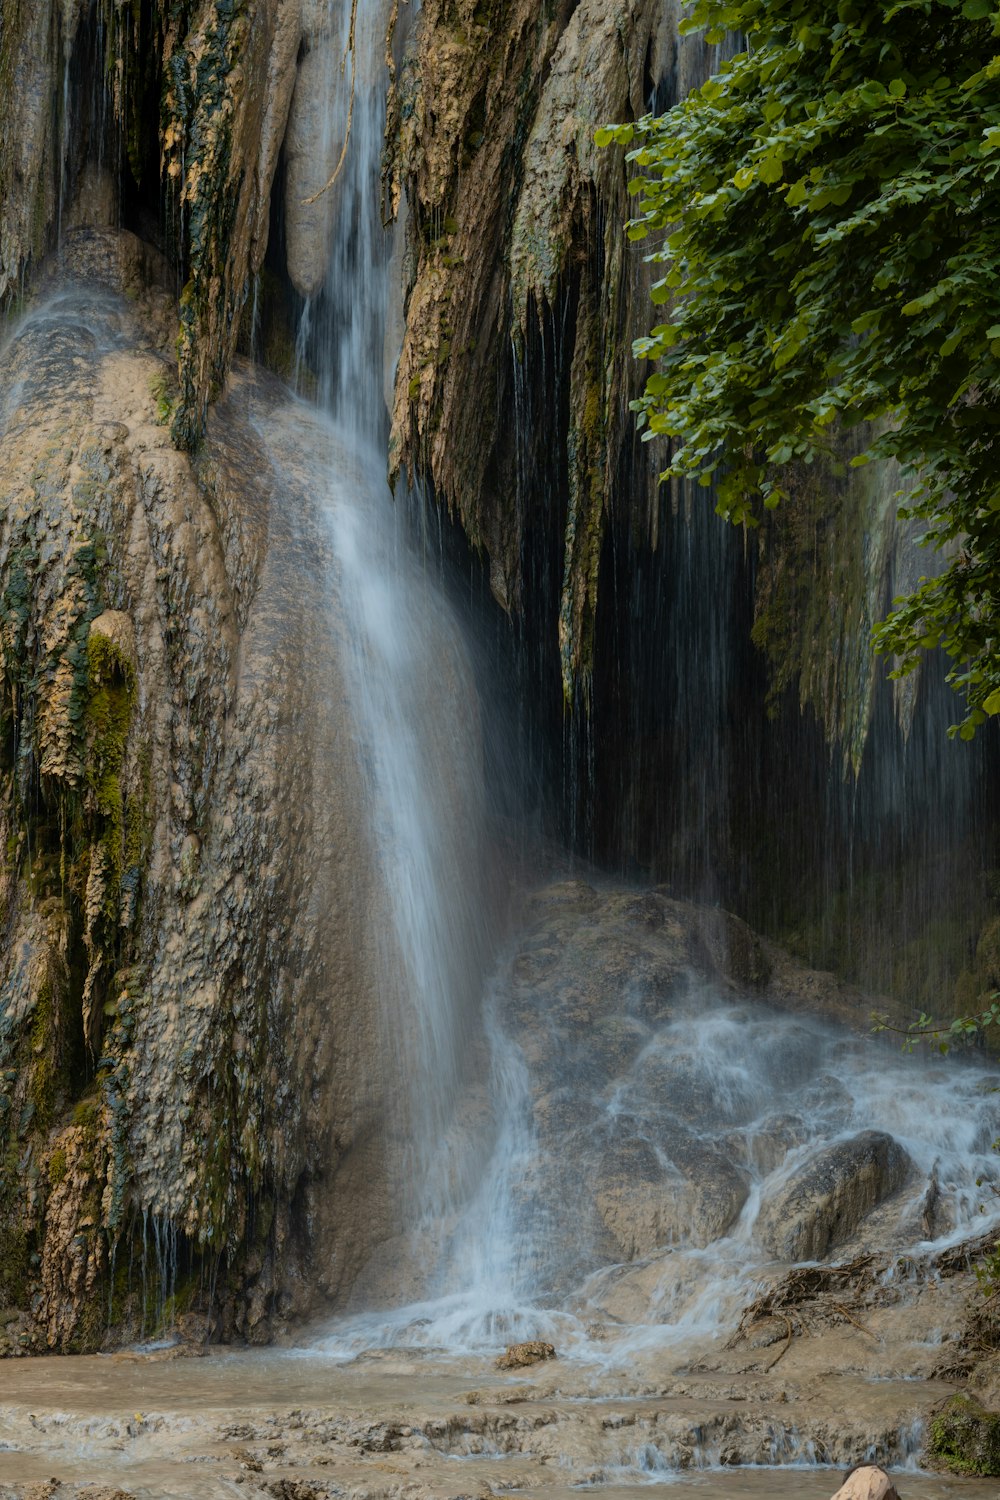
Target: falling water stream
486 1252
413 695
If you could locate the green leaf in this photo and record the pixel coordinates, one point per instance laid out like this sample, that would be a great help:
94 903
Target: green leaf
857 303
603 137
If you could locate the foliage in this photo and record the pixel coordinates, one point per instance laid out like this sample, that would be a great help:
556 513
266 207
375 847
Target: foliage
825 211
943 1034
988 1270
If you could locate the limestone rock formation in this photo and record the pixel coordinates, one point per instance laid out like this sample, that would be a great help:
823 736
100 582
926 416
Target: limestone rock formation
826 1200
200 94
34 41
680 1191
519 284
500 233
521 1356
183 901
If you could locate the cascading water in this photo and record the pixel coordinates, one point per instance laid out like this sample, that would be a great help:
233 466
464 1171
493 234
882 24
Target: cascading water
413 696
640 1210
514 1157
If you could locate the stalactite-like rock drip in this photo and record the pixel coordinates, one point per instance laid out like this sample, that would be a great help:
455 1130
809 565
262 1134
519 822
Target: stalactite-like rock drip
183 900
35 37
228 78
513 206
226 72
465 104
831 560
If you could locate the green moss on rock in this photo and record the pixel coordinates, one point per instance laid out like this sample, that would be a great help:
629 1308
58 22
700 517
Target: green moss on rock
965 1437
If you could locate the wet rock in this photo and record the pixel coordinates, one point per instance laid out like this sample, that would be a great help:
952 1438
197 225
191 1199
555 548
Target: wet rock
210 782
308 148
826 1199
984 1381
28 151
765 1146
868 1482
520 1356
683 1192
281 73
965 1437
115 627
545 80
74 1252
735 948
299 1489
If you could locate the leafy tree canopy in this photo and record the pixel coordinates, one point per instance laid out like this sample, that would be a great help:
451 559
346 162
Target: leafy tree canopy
826 211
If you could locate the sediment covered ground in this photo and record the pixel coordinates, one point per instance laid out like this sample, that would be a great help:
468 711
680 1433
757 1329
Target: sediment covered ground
266 1425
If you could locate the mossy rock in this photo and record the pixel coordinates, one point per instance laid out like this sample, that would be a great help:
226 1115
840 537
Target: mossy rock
965 1437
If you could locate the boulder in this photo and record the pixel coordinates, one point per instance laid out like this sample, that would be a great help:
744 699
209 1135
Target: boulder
867 1482
826 1199
965 1437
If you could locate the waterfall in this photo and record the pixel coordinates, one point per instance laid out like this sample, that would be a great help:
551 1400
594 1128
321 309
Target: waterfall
413 697
500 1227
760 1105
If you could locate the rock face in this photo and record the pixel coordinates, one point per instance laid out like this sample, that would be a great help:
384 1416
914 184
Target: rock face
185 904
678 1192
199 94
824 1202
29 154
501 231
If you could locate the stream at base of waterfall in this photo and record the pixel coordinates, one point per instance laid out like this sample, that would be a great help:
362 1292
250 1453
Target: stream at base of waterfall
274 1424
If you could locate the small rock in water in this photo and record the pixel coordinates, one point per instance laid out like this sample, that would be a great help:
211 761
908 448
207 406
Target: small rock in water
867 1482
529 1353
104 1492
